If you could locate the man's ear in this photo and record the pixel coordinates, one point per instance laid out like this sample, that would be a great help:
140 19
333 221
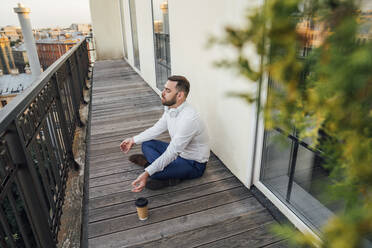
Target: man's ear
181 94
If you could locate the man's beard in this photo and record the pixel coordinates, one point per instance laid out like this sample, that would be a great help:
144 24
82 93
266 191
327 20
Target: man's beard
170 102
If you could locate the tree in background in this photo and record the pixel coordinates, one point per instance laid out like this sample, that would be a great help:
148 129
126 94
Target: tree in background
324 86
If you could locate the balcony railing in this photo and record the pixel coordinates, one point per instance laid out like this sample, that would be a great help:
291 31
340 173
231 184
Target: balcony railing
36 135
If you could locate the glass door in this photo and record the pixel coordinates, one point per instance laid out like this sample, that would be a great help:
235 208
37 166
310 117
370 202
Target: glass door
293 171
161 41
123 29
292 168
133 19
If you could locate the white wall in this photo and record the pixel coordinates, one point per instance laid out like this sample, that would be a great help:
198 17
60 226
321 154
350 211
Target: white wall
230 121
106 27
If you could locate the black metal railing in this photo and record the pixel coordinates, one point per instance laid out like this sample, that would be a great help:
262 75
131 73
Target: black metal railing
36 135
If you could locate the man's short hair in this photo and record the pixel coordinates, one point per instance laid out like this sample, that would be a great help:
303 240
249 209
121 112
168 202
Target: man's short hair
182 83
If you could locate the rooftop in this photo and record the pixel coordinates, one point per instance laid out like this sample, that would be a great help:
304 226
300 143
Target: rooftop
13 84
63 40
216 210
20 48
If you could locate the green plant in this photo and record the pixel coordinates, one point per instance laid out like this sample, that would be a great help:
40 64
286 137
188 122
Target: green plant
329 91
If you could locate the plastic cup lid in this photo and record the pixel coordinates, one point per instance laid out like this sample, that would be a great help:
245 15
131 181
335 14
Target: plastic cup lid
141 202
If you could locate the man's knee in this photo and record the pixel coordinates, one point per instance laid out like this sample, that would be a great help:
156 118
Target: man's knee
147 144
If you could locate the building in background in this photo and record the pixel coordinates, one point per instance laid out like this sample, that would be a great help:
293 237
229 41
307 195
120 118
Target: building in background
40 34
49 50
53 33
13 33
365 21
312 33
6 55
20 57
52 43
83 28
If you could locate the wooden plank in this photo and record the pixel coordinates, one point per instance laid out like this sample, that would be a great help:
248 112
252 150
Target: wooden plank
117 127
117 196
167 211
103 160
112 168
117 116
164 229
125 97
111 152
126 206
115 178
209 176
122 165
113 145
96 139
280 244
208 234
254 238
148 114
122 161
117 108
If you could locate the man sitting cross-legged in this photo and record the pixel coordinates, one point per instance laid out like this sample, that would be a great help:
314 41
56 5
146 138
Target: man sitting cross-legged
186 156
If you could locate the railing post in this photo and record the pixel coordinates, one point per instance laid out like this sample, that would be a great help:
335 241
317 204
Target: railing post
80 77
36 209
75 99
86 61
294 151
63 123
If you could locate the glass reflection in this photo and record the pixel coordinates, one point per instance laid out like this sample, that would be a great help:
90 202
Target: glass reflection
161 41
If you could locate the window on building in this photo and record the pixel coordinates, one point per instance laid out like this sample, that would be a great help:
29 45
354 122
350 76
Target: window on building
161 41
133 20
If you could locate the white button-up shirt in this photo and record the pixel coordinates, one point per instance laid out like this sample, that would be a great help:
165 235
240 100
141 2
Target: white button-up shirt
189 137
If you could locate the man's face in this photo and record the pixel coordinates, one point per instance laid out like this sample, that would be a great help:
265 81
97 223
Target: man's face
169 93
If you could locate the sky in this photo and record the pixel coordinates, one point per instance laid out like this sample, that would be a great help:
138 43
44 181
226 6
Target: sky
367 4
47 13
61 13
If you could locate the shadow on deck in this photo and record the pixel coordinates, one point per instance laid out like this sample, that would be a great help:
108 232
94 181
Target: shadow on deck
216 210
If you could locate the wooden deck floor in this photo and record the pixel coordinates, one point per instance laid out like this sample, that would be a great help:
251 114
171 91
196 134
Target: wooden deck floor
213 211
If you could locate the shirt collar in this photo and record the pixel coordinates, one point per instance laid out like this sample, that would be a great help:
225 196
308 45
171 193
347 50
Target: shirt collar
173 112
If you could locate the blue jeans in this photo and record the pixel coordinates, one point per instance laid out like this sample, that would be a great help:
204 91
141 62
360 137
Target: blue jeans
180 168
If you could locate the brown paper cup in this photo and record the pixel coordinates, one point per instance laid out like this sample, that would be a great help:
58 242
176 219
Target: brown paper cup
142 213
142 208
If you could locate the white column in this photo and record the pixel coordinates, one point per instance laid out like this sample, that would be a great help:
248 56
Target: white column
24 20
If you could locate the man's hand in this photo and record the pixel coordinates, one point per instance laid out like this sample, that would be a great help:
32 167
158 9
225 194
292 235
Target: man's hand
140 182
126 145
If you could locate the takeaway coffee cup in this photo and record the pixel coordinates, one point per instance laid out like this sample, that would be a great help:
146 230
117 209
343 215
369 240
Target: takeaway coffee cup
142 210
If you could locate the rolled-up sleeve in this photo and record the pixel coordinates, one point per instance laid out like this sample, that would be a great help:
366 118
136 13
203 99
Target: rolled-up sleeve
185 132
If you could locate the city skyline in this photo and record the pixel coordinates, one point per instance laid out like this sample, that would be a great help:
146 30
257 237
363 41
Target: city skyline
47 13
